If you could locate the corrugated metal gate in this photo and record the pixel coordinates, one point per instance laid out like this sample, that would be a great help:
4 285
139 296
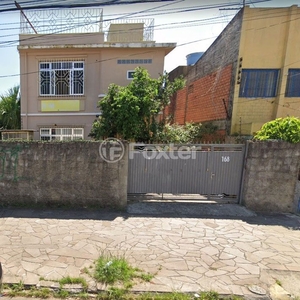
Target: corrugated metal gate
197 169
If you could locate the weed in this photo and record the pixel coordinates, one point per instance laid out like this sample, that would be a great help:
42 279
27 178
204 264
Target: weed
278 282
165 296
86 271
12 293
61 294
128 285
110 270
146 277
211 295
74 280
116 293
83 296
42 293
18 287
233 297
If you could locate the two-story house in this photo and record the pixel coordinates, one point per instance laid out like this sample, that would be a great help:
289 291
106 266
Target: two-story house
69 57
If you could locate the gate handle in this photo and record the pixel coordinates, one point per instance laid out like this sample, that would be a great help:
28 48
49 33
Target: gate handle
212 175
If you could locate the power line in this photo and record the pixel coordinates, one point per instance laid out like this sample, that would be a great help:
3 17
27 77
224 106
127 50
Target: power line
122 17
76 4
108 59
269 15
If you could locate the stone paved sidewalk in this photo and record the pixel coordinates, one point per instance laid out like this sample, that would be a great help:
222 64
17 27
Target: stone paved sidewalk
188 254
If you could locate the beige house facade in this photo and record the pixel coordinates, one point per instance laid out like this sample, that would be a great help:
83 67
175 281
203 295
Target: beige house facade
66 68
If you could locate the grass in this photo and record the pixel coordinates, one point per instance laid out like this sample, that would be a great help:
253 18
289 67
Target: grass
113 293
165 296
18 290
278 282
73 280
61 294
111 270
211 295
118 294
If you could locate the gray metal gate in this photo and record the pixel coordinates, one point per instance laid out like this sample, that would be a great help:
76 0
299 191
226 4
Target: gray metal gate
192 169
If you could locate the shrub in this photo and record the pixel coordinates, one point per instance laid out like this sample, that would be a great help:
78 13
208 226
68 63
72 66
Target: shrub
286 129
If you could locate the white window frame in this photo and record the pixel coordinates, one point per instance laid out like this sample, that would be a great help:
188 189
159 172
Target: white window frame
129 72
50 68
61 134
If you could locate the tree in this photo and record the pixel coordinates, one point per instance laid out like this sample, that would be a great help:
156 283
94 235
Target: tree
286 129
131 112
10 111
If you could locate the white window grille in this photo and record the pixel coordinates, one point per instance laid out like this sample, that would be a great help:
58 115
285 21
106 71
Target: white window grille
61 134
61 78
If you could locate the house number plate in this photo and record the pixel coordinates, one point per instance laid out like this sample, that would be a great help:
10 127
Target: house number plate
225 159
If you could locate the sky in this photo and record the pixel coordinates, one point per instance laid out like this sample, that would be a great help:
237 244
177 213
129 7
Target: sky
184 22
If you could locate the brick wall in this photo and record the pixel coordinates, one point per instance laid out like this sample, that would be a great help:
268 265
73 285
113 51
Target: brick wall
203 100
209 81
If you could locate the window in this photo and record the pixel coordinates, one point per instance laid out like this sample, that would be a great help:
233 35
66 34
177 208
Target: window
293 83
259 83
134 61
61 78
130 74
61 134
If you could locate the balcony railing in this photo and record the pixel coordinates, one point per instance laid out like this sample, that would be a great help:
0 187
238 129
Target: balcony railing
89 20
55 21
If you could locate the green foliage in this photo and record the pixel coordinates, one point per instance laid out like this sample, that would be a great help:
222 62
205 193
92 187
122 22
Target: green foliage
17 287
178 134
146 277
110 270
286 129
10 110
211 295
42 293
130 112
73 280
116 293
63 294
116 270
183 134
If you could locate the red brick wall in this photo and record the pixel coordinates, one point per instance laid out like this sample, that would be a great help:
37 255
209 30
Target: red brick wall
202 100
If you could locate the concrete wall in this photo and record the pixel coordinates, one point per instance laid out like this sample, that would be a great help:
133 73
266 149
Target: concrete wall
271 176
59 174
297 196
62 39
122 33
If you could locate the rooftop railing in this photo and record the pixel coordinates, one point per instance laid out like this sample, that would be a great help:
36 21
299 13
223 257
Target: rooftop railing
83 20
